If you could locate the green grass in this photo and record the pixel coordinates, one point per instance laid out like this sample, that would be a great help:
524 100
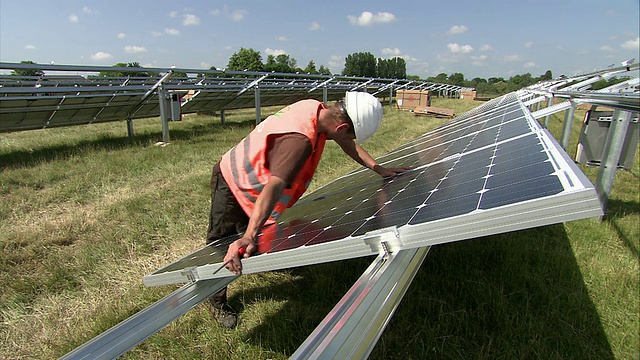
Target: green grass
86 213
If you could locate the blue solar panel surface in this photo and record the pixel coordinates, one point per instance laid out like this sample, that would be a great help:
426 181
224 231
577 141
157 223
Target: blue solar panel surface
487 158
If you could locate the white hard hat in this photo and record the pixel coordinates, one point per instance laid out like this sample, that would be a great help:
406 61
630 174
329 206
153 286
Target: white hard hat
365 112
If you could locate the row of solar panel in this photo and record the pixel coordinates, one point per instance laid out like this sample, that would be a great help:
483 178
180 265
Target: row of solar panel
44 108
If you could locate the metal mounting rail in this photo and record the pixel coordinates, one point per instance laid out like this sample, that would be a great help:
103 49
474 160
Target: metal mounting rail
354 325
130 332
551 109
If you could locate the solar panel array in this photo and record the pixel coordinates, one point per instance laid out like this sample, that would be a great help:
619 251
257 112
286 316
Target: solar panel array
46 101
493 169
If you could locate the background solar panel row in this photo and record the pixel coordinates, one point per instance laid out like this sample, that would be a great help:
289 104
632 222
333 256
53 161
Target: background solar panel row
65 98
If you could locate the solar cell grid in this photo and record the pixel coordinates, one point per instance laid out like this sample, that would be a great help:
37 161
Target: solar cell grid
492 157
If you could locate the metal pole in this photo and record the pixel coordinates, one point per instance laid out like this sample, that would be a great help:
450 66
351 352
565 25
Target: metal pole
256 89
390 95
611 154
164 113
568 122
546 119
223 118
325 94
130 128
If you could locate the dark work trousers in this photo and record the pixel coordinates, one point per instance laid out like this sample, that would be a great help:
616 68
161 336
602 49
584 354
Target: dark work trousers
225 219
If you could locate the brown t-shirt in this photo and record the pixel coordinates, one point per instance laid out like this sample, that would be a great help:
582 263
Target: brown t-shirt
286 154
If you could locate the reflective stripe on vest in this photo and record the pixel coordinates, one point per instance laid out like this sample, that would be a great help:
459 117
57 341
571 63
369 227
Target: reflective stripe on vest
247 180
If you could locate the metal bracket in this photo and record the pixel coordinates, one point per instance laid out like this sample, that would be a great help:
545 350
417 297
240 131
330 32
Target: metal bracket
191 273
384 241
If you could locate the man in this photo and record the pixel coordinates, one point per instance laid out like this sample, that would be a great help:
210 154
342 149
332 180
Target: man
271 168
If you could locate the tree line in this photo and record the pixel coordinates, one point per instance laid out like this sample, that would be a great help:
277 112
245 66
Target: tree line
360 64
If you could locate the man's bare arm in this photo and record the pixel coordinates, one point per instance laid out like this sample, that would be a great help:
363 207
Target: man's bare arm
262 210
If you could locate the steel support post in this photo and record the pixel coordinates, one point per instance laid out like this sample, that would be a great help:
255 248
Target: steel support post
568 122
130 128
325 94
390 95
164 113
256 89
611 154
546 119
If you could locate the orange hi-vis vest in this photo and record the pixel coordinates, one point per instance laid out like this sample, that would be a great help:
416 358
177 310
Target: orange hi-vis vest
243 167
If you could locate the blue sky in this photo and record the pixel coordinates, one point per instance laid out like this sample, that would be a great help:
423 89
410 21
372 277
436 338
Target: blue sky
476 38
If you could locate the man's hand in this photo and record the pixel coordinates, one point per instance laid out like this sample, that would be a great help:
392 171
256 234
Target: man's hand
248 246
387 172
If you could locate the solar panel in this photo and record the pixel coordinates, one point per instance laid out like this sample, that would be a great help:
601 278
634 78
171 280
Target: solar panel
492 170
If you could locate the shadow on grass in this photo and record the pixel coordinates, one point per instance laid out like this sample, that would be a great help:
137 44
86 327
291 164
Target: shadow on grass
617 209
517 295
187 132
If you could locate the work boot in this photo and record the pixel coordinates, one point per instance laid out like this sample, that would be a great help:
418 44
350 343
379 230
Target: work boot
226 316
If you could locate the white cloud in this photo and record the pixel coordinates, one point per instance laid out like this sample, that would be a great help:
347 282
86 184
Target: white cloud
74 18
88 10
190 20
215 12
122 35
631 44
511 58
390 51
30 47
282 38
100 56
479 60
238 15
455 48
449 58
173 32
173 14
529 65
607 48
410 58
486 48
528 44
367 18
314 26
274 52
134 49
457 29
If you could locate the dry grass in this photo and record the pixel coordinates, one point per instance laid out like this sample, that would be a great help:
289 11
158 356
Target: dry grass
85 214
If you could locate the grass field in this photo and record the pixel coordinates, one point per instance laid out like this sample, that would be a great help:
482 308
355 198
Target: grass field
86 213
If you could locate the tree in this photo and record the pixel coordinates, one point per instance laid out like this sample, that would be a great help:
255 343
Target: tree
440 78
323 70
382 69
119 73
456 79
27 72
400 68
311 68
245 59
282 63
395 68
500 87
360 64
547 76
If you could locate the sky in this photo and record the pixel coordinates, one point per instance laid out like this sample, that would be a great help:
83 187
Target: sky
490 38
